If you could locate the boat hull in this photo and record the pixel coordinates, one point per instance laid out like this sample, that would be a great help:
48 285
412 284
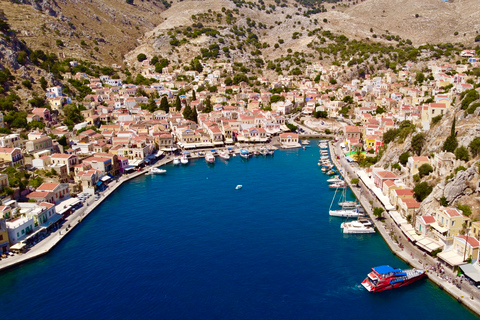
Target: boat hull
366 283
344 213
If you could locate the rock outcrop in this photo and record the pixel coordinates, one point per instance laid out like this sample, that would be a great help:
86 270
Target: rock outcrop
453 190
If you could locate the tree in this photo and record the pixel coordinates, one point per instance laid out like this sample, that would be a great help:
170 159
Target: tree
390 135
43 83
461 153
403 159
164 104
228 81
129 1
424 170
475 146
420 77
195 115
422 190
208 106
141 57
417 143
187 112
377 212
443 201
355 181
240 77
72 115
450 144
178 104
194 97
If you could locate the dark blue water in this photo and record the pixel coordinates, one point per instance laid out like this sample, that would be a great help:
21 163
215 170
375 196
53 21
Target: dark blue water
187 245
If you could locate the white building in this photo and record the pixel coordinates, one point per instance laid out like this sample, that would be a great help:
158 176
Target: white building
18 228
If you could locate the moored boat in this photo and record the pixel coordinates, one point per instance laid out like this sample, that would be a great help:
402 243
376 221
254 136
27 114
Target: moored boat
176 160
385 277
184 159
338 185
224 155
244 153
305 142
157 171
344 213
356 227
335 179
210 158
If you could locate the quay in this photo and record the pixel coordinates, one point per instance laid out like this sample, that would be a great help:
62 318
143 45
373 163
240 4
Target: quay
467 294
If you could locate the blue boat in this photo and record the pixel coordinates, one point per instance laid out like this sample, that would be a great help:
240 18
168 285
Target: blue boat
244 153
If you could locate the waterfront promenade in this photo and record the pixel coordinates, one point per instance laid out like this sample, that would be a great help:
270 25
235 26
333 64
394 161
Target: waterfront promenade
73 220
464 293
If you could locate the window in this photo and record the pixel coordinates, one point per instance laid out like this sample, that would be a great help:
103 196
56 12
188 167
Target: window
453 222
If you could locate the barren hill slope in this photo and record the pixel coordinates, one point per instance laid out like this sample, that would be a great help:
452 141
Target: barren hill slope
437 20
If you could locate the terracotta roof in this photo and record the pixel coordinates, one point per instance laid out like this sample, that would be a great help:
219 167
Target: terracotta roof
386 175
48 186
428 219
471 241
452 212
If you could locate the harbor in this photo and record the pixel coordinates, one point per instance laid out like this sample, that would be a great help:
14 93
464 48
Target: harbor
185 239
398 243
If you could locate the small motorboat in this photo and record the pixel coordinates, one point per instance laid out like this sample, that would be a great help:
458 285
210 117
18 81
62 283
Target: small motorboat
176 161
224 155
305 142
244 153
238 187
210 158
184 159
157 171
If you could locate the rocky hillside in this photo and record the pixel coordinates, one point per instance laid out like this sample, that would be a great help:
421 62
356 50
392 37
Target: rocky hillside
97 30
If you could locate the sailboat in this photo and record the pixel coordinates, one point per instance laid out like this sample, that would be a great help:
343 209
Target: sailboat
345 213
344 203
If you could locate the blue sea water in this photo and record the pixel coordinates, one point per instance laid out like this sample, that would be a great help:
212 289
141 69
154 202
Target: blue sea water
188 245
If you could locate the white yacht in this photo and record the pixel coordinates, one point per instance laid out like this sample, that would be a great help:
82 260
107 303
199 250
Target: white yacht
345 213
305 142
176 161
335 179
184 159
357 226
157 171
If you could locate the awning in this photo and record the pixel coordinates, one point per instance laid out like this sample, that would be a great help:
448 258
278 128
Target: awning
52 220
99 183
435 226
18 246
428 244
159 153
397 217
105 178
472 270
186 153
408 230
169 149
451 257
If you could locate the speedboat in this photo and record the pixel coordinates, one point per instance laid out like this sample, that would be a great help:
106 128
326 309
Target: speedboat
224 155
184 159
270 152
157 171
305 142
176 161
210 158
338 185
331 173
335 179
238 187
357 226
385 278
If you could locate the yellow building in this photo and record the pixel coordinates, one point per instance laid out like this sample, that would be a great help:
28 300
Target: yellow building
466 246
449 223
4 241
475 229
